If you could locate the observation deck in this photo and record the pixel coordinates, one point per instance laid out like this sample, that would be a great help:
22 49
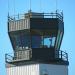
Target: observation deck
28 34
22 21
27 56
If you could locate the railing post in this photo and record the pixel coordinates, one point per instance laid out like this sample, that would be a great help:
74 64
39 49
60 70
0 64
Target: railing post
67 56
61 54
5 57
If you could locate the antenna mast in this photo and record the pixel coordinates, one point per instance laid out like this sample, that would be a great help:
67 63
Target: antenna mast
14 6
56 4
8 7
30 6
40 5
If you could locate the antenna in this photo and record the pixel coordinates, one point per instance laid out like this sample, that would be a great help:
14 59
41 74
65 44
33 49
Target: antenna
8 10
40 5
14 6
56 4
30 5
8 7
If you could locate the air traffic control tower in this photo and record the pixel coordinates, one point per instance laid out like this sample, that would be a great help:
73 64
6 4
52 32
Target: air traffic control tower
36 40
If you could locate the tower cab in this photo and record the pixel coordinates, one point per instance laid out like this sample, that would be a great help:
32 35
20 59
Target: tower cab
37 37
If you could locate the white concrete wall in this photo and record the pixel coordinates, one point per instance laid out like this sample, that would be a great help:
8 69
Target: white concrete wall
51 69
19 25
24 70
38 69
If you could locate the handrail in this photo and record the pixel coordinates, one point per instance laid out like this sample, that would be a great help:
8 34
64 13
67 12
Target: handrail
61 55
8 57
18 56
44 15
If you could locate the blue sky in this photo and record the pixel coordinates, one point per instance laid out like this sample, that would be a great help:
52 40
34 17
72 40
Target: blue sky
22 6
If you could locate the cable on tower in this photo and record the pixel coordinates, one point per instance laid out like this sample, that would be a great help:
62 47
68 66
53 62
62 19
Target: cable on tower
30 5
40 5
56 5
8 9
14 6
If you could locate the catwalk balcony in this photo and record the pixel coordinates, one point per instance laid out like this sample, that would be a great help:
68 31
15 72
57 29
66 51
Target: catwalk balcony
22 21
27 56
23 29
37 36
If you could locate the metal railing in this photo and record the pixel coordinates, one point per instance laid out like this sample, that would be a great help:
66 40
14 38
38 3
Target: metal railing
8 57
26 55
36 15
61 55
19 55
